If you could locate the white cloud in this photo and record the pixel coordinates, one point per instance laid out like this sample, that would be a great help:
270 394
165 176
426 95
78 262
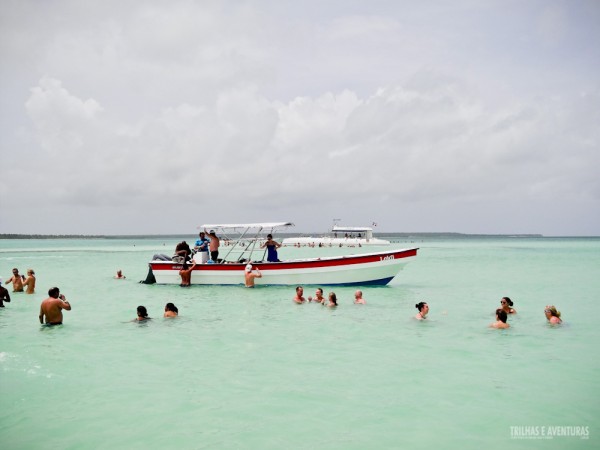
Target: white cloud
232 113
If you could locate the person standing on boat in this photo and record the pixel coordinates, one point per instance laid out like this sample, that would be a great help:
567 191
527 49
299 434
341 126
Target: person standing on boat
272 247
213 245
250 275
201 247
183 249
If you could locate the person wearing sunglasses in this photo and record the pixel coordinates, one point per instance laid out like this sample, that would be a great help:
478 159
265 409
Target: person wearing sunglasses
552 314
506 305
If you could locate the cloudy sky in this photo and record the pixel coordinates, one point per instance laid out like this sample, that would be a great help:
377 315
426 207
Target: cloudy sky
473 116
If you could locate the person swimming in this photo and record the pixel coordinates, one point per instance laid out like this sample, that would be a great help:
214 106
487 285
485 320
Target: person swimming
332 300
501 318
142 314
171 310
552 314
507 304
423 308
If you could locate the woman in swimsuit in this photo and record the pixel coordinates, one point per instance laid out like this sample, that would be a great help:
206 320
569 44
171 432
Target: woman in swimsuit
552 314
507 305
423 310
272 247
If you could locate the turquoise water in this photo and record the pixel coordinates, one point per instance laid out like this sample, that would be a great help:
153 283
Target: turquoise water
248 369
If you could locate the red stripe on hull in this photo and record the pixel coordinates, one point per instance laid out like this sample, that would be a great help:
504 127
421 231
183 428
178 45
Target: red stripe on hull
298 264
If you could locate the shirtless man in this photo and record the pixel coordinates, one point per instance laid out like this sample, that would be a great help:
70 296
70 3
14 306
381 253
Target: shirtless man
186 275
299 295
500 322
250 275
4 295
52 307
29 282
213 245
318 298
16 280
358 298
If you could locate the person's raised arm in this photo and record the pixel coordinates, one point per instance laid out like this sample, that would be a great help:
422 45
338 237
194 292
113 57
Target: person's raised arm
65 303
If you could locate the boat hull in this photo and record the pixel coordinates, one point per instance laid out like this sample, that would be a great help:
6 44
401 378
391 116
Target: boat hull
377 268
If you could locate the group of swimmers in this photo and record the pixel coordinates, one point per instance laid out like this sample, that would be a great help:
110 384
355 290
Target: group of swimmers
142 313
331 300
506 309
502 313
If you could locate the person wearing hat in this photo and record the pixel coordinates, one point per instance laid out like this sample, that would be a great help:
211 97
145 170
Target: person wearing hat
4 295
251 275
213 245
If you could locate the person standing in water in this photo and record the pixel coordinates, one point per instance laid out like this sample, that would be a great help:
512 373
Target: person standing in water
318 298
299 298
272 247
250 276
16 280
29 282
52 307
186 275
4 295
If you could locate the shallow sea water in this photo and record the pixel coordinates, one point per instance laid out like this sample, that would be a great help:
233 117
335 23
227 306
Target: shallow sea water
248 369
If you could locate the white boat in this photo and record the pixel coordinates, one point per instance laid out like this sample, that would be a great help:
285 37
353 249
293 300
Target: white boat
375 268
340 237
